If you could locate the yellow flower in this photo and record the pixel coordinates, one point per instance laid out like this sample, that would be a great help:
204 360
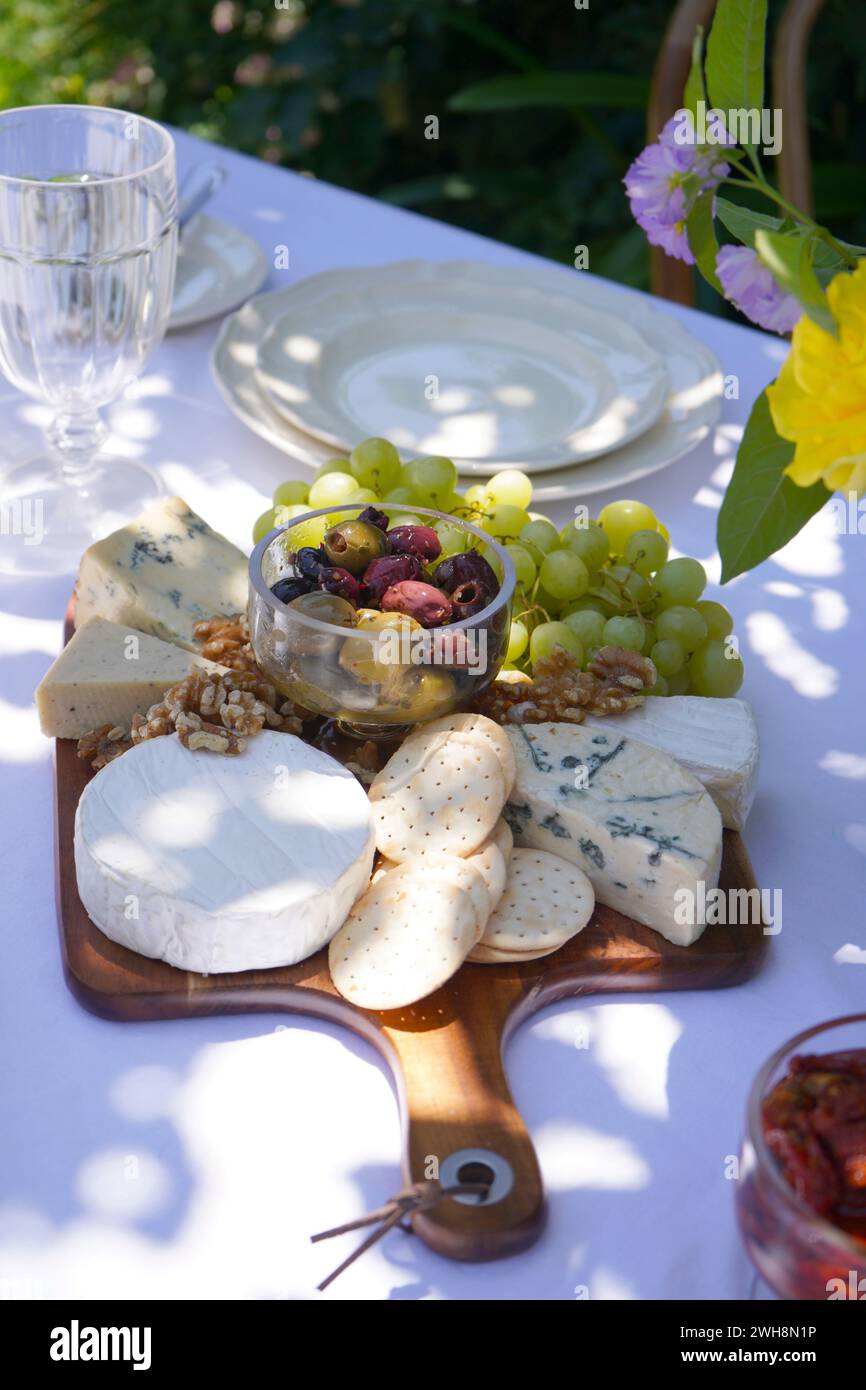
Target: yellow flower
818 400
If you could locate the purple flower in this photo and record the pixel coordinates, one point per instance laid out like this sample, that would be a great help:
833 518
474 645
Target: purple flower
663 185
750 286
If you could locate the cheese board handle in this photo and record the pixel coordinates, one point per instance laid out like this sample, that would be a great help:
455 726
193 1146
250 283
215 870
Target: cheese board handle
460 1124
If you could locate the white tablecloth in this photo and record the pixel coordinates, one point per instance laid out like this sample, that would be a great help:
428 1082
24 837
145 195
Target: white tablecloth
194 1159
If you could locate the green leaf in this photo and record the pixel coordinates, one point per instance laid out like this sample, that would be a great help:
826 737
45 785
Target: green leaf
788 257
762 509
702 239
695 90
735 55
483 34
513 93
743 222
827 262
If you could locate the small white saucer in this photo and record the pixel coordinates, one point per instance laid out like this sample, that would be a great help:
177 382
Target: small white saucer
218 267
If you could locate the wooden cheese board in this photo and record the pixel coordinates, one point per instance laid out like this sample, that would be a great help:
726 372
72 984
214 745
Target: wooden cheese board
445 1053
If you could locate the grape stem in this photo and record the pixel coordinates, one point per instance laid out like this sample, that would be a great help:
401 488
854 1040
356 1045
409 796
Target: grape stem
533 608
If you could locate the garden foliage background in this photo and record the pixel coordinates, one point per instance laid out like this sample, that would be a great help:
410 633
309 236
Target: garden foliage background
541 108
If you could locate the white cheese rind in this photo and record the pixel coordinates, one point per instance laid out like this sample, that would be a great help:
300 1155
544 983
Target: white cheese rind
218 864
164 572
641 827
717 740
107 673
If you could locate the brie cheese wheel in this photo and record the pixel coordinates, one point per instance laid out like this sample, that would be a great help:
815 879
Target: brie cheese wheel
218 864
717 740
645 831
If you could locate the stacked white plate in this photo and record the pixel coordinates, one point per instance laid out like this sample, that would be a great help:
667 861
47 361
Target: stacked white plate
495 367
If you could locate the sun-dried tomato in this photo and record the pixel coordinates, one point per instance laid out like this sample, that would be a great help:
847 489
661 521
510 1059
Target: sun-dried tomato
815 1125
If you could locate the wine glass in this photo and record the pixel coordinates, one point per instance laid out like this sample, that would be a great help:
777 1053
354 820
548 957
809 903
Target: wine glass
88 233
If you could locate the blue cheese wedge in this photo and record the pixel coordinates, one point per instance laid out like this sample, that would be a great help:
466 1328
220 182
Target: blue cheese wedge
717 740
642 828
162 574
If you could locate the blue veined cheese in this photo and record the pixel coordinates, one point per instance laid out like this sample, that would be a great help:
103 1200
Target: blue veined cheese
640 826
162 573
717 740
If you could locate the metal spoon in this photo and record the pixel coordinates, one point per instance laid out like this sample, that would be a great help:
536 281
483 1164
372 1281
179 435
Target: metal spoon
197 188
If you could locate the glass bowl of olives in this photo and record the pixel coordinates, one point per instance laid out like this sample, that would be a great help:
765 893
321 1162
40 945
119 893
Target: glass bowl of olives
371 624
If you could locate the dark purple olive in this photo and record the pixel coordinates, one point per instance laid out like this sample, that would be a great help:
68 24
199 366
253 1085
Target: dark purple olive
381 574
291 588
460 569
333 579
468 599
416 540
428 606
375 517
309 560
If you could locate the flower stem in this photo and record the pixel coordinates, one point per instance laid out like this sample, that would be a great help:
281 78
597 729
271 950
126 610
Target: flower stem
750 181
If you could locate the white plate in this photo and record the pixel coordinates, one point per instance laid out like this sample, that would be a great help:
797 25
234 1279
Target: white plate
494 375
218 267
691 410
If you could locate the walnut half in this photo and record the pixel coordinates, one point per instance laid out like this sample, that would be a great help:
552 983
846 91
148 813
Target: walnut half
216 711
560 692
102 745
227 641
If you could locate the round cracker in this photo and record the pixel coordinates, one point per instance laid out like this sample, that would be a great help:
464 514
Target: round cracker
469 726
471 874
446 804
502 836
546 902
490 860
487 955
403 939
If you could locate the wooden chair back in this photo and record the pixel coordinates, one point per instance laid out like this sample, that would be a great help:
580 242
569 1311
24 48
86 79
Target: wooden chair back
673 279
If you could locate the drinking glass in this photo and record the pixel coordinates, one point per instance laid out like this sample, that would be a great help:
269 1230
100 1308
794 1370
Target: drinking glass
800 1254
88 232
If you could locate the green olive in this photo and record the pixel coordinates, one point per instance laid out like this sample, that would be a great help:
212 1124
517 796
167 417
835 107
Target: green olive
354 544
424 693
367 661
326 608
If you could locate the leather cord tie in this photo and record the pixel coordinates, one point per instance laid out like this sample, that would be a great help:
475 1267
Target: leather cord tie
421 1196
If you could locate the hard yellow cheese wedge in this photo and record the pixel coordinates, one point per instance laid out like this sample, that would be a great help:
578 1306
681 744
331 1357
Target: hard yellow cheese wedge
106 673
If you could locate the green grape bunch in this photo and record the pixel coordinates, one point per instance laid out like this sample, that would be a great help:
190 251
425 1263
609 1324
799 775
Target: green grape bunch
603 582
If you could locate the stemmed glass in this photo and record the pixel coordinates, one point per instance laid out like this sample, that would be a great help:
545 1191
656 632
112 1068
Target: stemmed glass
350 674
88 233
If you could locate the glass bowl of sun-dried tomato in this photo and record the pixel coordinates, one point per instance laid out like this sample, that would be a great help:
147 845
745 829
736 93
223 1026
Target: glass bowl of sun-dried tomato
801 1197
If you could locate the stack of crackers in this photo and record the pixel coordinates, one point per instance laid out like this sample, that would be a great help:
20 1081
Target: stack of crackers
450 887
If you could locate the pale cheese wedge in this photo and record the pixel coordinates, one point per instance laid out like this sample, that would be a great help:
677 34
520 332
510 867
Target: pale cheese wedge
716 740
107 673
